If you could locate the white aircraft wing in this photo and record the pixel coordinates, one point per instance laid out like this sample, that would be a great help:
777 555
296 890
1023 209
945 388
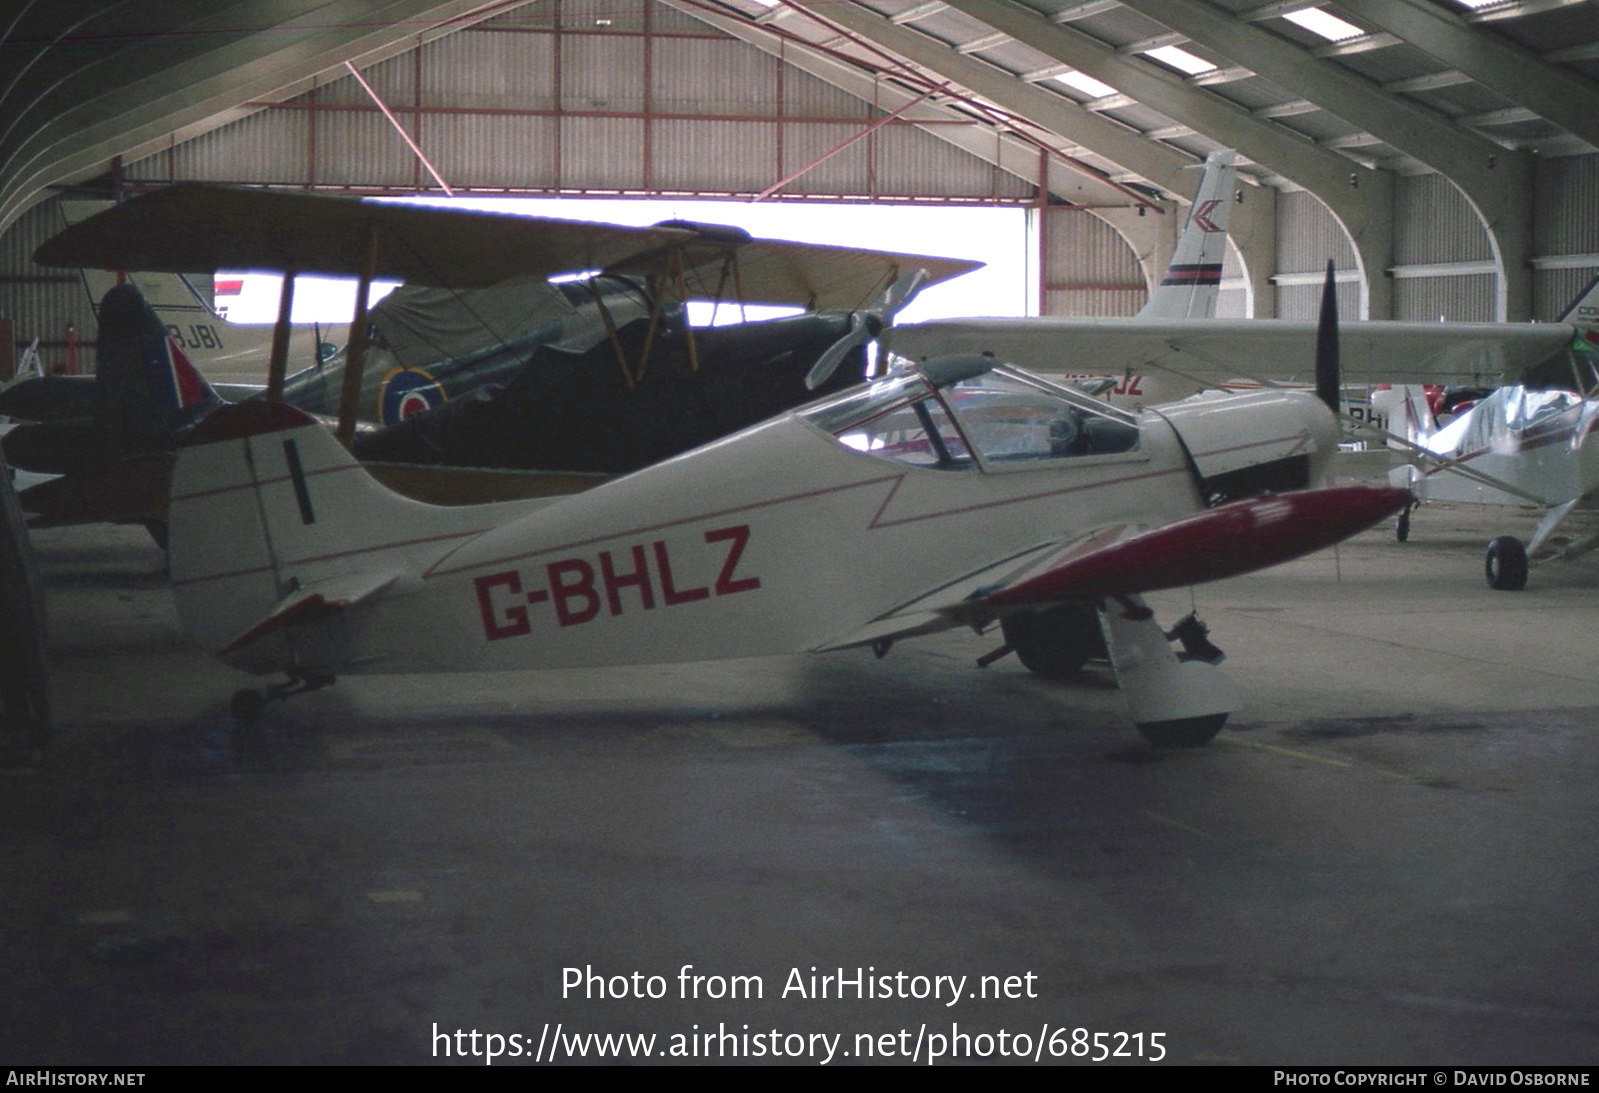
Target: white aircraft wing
1128 558
1216 350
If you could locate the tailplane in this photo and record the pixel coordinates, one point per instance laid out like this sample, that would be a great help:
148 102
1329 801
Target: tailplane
1193 280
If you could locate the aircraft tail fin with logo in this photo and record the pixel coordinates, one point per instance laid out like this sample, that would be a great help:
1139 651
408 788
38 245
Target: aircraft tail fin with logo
147 390
144 396
1193 280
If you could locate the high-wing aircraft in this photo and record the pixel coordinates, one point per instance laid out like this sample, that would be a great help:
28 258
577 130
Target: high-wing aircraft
954 493
1531 441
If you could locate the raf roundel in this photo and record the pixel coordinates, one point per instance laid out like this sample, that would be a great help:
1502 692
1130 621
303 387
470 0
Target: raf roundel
407 391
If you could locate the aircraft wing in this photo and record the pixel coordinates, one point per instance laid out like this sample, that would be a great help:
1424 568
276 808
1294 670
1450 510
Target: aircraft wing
1129 558
192 228
1213 351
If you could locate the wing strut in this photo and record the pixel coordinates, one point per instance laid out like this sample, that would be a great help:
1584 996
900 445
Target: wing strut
278 363
355 349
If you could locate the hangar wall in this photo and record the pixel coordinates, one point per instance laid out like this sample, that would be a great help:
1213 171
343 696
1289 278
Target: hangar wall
641 99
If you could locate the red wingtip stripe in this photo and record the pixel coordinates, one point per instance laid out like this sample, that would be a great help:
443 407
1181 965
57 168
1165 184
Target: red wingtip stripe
1224 542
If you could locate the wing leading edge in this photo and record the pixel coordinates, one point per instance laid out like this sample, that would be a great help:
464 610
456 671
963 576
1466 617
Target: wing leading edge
1127 559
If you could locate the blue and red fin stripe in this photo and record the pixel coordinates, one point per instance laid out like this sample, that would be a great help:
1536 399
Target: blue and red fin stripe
1222 542
1197 273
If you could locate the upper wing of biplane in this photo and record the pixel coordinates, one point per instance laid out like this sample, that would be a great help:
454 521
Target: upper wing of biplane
192 228
1212 351
1126 559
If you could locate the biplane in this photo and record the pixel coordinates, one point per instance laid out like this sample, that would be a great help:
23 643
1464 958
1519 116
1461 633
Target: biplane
614 375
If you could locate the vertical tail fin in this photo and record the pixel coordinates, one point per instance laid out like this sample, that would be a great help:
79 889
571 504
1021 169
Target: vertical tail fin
1193 280
147 392
275 532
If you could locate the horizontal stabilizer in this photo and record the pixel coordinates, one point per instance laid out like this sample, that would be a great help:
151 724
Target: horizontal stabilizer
1222 542
307 605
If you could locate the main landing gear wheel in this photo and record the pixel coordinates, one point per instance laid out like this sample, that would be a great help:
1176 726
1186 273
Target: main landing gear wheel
1506 564
1187 732
1057 642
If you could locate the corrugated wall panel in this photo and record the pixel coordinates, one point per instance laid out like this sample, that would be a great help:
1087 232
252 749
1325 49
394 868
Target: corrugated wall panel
912 161
1433 222
497 151
695 75
847 172
361 149
1307 235
602 154
270 146
1096 304
1088 267
43 303
1566 200
710 156
394 80
1466 299
808 97
599 73
1304 302
489 71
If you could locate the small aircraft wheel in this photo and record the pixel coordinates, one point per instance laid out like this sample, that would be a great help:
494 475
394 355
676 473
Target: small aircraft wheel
1057 642
1506 564
246 706
1402 525
1185 732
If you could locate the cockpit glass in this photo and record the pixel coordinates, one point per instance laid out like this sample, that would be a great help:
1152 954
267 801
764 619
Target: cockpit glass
1010 418
992 418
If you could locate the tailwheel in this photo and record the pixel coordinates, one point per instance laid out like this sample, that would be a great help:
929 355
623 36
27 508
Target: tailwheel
1185 732
248 705
1505 564
1402 523
1057 642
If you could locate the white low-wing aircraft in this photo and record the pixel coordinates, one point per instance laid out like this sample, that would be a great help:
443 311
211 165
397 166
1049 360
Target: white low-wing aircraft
954 493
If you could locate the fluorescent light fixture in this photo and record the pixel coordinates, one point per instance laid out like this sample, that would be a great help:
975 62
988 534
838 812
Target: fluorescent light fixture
1478 5
1180 59
1085 83
1324 23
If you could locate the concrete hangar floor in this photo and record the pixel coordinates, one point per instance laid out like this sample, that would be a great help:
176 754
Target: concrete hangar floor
1387 857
